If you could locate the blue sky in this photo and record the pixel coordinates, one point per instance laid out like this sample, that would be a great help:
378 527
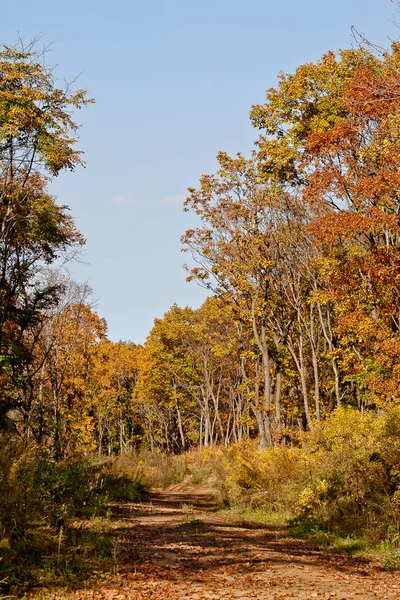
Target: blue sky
173 83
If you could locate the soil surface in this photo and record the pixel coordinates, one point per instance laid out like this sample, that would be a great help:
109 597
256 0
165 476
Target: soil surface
176 546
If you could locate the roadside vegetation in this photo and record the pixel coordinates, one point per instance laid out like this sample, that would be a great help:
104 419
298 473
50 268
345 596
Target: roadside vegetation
338 487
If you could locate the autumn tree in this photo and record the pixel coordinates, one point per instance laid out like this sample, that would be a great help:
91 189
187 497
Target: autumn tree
113 377
70 340
168 380
302 240
248 250
189 379
37 141
331 131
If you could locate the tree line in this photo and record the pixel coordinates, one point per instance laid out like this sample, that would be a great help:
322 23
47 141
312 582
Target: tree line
298 245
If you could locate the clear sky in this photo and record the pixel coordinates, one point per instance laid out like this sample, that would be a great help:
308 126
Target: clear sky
173 81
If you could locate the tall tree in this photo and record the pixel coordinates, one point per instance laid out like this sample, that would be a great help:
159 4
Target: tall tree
37 141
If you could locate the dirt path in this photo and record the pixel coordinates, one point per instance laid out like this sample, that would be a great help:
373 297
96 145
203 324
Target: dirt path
177 547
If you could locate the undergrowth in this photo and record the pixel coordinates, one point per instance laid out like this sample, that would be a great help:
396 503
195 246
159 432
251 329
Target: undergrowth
339 487
54 515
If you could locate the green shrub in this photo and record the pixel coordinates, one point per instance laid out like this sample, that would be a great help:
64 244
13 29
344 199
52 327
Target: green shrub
122 488
37 492
73 487
42 507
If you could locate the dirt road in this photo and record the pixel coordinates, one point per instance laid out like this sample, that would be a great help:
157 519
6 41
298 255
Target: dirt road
177 547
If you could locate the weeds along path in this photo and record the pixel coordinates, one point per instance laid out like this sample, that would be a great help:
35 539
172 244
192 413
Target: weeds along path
176 546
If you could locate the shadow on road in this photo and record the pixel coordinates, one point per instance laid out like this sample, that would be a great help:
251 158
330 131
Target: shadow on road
182 532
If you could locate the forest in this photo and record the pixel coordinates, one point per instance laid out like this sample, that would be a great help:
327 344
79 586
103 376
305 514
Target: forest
283 387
